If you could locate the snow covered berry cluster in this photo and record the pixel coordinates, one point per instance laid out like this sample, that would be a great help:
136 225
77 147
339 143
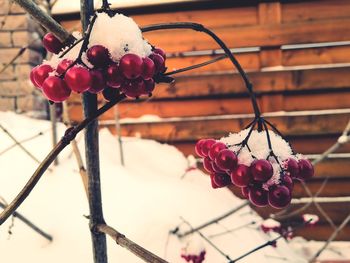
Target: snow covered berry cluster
264 176
115 59
194 258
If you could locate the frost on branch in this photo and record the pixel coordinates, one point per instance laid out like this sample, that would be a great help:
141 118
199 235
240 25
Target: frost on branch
112 58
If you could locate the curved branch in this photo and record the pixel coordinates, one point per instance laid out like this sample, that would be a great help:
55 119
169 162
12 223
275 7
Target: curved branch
66 139
201 28
124 242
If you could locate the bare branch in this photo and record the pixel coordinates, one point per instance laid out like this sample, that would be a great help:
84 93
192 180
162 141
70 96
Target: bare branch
124 242
67 138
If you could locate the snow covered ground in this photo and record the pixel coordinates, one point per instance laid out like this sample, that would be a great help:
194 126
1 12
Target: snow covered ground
143 200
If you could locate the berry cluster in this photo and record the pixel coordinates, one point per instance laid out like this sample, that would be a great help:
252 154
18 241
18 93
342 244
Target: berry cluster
194 258
131 74
264 180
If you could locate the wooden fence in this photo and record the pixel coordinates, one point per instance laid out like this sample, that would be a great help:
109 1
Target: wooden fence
297 54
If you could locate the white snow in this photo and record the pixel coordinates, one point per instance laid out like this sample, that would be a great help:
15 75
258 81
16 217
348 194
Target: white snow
120 35
143 200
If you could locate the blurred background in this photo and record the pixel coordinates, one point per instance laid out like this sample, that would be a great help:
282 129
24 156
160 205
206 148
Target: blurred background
297 54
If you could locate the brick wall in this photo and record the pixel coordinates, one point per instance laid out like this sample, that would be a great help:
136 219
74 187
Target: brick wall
17 30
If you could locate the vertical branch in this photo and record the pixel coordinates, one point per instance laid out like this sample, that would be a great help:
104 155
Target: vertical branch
90 105
119 134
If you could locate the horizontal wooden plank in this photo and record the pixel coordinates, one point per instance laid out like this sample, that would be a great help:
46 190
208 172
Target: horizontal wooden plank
323 232
306 145
254 36
220 106
336 211
193 129
314 10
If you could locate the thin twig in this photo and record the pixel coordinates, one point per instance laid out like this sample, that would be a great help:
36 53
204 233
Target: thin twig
69 135
124 242
214 220
331 238
29 223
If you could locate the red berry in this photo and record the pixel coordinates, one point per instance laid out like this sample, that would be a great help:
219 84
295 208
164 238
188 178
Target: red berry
207 164
110 93
306 169
158 62
56 89
245 192
114 76
292 167
149 86
98 82
279 196
221 179
41 73
198 147
63 65
131 66
216 168
287 181
226 160
215 149
52 43
148 68
78 79
262 170
98 56
258 196
160 52
213 184
31 76
133 88
207 144
241 176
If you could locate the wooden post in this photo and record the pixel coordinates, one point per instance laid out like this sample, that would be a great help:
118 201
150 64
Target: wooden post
90 105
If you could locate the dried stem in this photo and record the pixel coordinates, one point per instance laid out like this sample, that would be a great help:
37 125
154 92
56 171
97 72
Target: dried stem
29 223
66 139
215 220
124 242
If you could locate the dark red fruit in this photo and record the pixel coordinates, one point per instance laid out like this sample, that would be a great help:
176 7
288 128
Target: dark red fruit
213 184
258 196
158 62
98 56
216 168
131 66
63 65
241 176
52 43
160 52
207 144
78 79
226 160
306 169
56 89
31 76
114 76
287 181
221 179
98 82
215 149
279 196
148 68
41 73
198 147
149 86
133 88
261 170
292 167
245 192
110 93
207 164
